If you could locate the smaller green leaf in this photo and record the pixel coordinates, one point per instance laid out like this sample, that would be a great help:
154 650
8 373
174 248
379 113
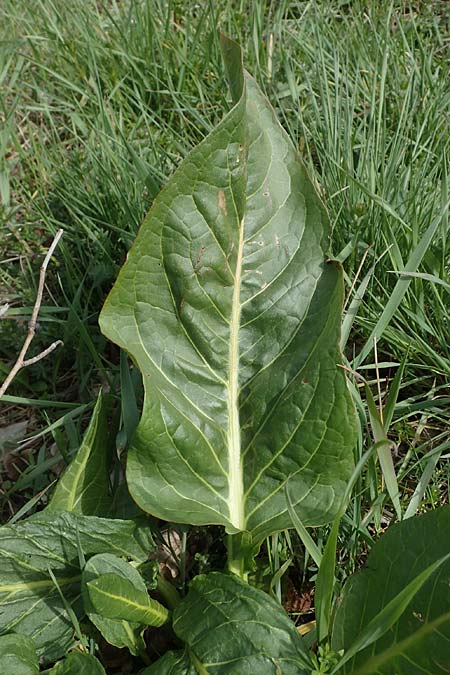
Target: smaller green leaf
116 632
406 647
395 612
84 486
117 598
383 621
18 655
78 664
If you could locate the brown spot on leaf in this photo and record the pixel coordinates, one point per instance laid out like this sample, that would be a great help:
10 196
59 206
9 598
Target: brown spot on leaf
199 258
222 202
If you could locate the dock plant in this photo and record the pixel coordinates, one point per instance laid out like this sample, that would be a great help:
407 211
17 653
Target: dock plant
230 306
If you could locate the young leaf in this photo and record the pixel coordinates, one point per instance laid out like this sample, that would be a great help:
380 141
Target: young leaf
117 598
231 309
18 655
403 557
50 541
78 664
230 627
84 486
117 632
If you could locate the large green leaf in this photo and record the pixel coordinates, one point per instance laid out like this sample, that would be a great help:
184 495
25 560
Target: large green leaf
30 603
419 641
84 486
231 309
18 655
78 664
231 628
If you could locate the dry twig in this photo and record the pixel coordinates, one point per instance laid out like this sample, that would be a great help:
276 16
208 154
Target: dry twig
21 361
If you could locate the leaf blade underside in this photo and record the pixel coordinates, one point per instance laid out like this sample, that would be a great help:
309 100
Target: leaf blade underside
231 310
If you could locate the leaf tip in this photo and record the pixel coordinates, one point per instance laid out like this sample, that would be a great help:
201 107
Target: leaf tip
232 58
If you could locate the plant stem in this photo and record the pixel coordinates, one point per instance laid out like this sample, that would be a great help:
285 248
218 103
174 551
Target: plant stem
168 591
236 557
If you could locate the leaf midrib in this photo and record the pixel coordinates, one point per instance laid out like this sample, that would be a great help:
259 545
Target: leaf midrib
21 586
236 483
147 610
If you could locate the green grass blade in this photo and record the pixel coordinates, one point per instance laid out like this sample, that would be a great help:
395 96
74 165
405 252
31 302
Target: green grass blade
325 584
308 542
352 310
384 452
394 389
426 277
402 285
422 486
